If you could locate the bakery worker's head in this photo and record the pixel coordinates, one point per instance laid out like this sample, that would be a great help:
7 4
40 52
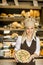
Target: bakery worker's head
29 25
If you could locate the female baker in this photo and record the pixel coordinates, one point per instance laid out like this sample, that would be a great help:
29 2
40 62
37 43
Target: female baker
29 41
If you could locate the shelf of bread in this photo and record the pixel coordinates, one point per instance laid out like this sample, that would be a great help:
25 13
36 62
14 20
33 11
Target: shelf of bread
18 17
14 25
8 50
11 17
19 25
8 54
7 44
11 37
10 29
1 45
41 48
9 40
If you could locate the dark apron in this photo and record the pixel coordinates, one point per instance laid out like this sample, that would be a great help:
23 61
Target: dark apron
31 49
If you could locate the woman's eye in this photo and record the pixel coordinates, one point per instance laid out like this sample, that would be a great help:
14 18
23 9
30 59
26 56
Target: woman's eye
31 28
27 28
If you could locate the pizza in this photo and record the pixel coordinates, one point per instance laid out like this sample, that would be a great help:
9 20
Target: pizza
22 56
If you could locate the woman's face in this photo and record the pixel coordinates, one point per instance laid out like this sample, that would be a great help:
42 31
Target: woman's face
30 30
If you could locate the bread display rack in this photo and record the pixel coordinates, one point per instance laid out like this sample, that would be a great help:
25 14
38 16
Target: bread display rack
8 34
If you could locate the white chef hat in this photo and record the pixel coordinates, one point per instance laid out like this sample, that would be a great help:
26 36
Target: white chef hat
29 22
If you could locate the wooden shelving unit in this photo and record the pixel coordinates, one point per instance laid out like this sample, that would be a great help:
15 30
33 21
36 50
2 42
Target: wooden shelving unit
20 7
5 9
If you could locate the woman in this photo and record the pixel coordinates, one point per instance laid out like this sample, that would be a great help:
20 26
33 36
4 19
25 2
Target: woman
29 41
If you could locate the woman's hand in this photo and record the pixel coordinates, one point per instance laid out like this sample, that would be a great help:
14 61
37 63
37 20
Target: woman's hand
15 57
32 57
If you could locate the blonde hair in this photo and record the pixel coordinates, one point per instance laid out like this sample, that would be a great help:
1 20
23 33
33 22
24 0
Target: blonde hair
24 36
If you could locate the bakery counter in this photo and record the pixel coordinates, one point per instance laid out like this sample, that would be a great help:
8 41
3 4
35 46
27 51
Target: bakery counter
38 61
11 61
7 61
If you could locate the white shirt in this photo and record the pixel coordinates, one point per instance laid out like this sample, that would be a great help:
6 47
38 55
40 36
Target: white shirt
18 44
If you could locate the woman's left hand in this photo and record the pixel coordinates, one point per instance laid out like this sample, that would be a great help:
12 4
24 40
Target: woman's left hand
32 57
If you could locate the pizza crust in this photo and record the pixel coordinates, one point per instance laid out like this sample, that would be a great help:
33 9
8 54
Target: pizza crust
22 56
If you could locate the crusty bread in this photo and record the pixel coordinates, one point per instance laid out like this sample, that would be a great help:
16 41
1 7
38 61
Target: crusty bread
10 15
31 13
1 45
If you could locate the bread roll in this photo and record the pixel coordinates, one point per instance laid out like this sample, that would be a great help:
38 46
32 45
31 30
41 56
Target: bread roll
14 35
10 15
7 53
38 13
35 13
23 13
41 43
1 45
41 52
31 13
14 24
19 26
4 15
8 44
27 14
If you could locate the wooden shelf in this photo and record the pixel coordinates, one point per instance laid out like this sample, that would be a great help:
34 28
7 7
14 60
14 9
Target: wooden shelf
8 40
2 29
11 29
17 30
41 38
40 30
9 19
28 0
5 60
20 7
40 0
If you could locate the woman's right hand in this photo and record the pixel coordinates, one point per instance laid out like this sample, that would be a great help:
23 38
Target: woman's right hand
15 57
